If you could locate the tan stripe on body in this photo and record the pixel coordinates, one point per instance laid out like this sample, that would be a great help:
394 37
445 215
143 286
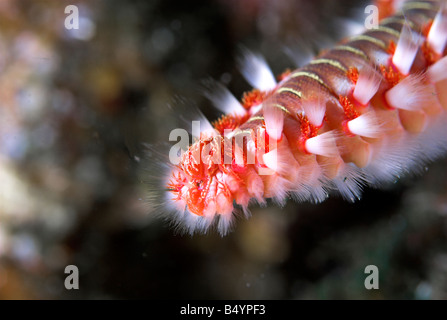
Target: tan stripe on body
388 30
370 39
331 62
255 118
397 20
353 50
290 90
418 5
310 75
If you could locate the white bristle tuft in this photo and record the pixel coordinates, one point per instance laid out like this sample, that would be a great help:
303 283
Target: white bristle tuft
206 129
349 27
223 99
314 110
184 222
280 191
438 71
367 85
274 120
225 223
350 182
366 125
323 144
409 94
189 117
397 5
437 36
271 160
256 109
409 155
256 71
406 50
317 193
299 54
281 160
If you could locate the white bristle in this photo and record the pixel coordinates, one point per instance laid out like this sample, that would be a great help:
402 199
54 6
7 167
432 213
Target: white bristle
365 125
189 222
409 94
406 50
437 36
274 120
438 71
367 85
190 118
225 223
350 182
323 144
299 54
271 160
255 109
410 154
314 110
280 160
205 127
223 99
197 124
397 4
256 71
349 27
280 191
314 193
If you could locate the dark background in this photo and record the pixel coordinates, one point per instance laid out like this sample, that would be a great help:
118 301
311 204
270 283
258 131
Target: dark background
75 110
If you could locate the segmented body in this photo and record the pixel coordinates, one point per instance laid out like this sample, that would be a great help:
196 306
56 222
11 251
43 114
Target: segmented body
363 113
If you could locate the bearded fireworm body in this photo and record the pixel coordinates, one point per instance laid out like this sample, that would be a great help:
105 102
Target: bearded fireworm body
364 113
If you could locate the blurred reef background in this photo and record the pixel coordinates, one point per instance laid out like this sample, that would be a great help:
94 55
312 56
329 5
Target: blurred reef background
76 107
